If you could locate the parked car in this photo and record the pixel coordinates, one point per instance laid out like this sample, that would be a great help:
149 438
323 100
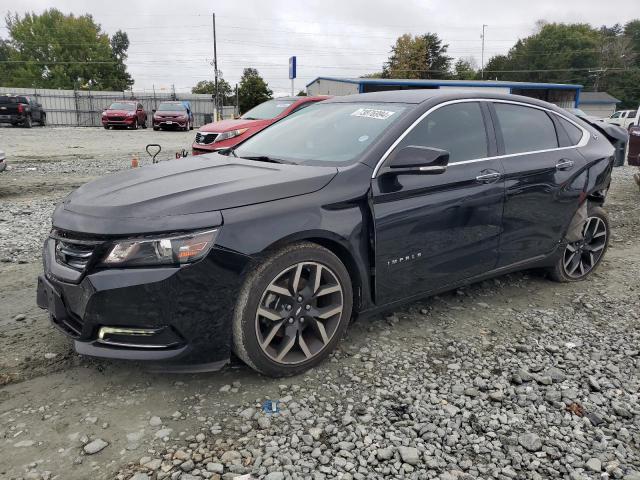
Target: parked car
125 113
173 114
21 110
349 207
634 147
228 133
3 161
625 118
617 135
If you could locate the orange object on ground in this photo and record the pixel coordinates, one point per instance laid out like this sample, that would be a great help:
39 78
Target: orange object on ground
134 162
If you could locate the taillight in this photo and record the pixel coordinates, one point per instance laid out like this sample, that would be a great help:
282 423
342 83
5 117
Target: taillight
20 108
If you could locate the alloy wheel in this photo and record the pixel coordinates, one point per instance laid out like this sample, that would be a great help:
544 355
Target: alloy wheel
299 313
582 256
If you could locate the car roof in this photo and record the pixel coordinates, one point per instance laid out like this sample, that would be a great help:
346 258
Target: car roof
419 96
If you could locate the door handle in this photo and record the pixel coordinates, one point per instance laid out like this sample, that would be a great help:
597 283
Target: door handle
489 177
564 164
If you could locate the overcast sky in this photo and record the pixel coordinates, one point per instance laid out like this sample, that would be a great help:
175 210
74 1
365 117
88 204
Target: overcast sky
172 41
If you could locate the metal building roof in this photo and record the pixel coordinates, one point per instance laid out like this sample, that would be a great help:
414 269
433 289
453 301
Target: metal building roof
451 83
594 98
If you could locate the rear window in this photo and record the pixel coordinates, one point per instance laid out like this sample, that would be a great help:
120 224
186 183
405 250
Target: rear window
525 129
267 110
574 133
632 114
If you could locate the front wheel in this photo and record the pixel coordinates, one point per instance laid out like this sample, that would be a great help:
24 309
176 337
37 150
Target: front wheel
43 120
28 122
144 124
292 310
580 258
134 125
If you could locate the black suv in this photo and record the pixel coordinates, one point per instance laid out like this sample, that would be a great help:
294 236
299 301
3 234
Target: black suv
348 207
21 110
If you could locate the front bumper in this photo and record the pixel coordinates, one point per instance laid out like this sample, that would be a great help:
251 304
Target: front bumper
172 318
170 122
128 121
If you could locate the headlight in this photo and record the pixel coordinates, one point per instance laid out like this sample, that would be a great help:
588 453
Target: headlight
160 251
227 135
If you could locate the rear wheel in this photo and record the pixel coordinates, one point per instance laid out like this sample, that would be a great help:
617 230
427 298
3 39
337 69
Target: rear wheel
292 310
43 120
28 122
580 258
144 124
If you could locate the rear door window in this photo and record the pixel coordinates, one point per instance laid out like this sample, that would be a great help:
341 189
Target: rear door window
525 129
574 133
458 128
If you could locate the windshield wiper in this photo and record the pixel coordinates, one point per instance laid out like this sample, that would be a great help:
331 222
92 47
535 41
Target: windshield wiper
250 118
264 158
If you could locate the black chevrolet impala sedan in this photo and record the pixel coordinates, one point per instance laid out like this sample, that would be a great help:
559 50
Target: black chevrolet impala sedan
346 208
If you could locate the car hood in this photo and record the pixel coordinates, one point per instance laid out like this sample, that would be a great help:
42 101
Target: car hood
182 194
228 125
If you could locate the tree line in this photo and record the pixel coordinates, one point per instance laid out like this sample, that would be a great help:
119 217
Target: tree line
54 50
600 59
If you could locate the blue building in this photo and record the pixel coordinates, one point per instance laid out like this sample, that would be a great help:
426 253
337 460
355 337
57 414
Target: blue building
563 95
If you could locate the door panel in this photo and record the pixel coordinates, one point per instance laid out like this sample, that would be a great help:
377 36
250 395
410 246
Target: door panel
435 230
543 189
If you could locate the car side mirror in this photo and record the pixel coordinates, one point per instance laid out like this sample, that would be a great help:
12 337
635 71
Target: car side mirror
419 160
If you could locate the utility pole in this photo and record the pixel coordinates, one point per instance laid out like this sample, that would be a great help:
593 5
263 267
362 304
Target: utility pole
482 58
237 112
215 66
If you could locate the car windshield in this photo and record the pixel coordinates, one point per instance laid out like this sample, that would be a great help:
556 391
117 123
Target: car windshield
171 107
122 106
268 110
325 132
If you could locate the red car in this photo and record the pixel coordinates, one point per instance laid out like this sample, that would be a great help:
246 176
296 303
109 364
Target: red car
228 133
125 113
173 114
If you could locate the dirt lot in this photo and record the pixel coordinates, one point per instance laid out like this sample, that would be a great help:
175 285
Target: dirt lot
516 377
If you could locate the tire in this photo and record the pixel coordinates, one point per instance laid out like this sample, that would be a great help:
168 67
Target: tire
106 127
304 322
134 126
28 122
156 128
191 125
43 120
589 251
144 124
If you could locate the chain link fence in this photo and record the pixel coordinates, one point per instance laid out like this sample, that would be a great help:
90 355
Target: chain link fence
83 108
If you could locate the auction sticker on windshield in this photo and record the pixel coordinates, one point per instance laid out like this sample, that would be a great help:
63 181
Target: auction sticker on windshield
372 113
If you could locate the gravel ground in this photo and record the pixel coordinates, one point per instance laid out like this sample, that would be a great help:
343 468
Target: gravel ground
516 377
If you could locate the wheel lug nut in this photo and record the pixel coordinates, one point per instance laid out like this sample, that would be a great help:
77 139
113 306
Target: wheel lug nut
290 319
288 307
300 298
301 319
307 307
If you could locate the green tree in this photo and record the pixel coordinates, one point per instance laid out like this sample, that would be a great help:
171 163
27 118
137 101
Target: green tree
209 87
464 69
302 93
53 50
632 32
562 53
253 90
418 56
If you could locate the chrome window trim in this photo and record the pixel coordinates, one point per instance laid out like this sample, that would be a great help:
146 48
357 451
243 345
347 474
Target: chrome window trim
583 141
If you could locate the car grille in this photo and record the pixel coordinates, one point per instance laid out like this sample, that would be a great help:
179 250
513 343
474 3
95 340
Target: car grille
205 138
73 252
117 119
